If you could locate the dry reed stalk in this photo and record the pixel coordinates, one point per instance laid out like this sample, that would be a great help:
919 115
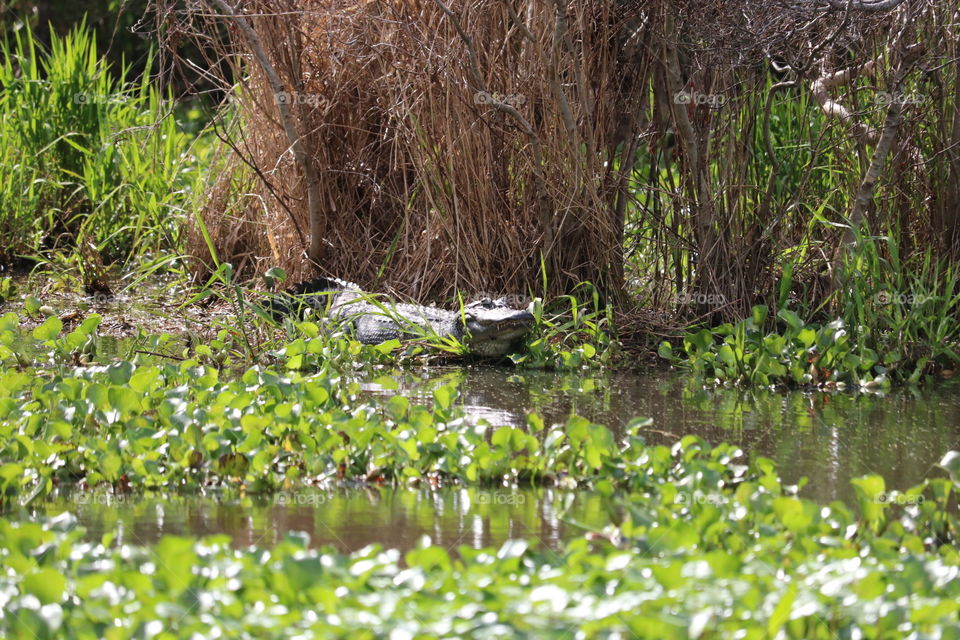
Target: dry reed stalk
465 146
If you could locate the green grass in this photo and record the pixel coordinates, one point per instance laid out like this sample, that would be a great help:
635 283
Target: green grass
93 165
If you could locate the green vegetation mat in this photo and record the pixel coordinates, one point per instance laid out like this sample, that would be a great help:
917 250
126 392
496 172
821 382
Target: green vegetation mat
691 559
704 543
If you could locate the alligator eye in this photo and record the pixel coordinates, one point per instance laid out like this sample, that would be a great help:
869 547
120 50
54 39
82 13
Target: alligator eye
487 303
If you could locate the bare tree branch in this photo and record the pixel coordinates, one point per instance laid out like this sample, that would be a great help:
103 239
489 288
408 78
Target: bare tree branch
317 247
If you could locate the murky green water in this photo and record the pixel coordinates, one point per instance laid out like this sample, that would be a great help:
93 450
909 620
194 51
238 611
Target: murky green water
347 519
828 438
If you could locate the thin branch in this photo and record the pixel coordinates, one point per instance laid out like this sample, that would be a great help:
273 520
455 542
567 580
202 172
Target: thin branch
317 249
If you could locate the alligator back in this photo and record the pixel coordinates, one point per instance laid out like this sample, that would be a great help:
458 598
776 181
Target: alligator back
370 318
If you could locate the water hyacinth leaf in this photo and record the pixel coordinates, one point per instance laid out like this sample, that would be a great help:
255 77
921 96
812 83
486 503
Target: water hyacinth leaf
726 355
872 498
90 324
31 305
124 400
444 396
175 558
429 558
9 322
807 337
758 315
388 346
120 372
110 465
46 584
144 379
397 407
665 351
49 329
578 429
535 422
781 613
792 513
698 342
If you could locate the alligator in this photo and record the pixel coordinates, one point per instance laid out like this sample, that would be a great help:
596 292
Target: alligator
489 328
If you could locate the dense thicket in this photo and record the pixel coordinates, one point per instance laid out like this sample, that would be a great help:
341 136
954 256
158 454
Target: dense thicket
696 148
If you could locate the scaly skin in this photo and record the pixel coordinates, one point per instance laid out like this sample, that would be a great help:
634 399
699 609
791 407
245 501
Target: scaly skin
490 328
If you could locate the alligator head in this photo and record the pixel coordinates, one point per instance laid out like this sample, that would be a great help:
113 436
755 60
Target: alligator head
492 326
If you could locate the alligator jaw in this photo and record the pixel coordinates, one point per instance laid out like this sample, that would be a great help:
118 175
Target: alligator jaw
492 338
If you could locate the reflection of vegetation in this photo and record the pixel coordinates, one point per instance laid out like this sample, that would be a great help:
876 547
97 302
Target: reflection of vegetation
347 517
830 438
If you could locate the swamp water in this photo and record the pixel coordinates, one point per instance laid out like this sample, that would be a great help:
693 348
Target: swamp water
828 438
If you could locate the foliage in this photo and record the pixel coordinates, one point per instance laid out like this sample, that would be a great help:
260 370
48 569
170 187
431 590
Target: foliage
906 308
570 334
137 423
90 162
713 550
804 354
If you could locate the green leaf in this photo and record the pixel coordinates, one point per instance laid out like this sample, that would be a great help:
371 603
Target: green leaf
444 396
124 399
791 318
535 422
758 315
49 330
32 305
175 560
665 351
871 496
120 372
388 346
781 612
726 355
46 584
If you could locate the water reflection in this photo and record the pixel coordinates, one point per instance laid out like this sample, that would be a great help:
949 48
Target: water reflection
828 438
347 519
